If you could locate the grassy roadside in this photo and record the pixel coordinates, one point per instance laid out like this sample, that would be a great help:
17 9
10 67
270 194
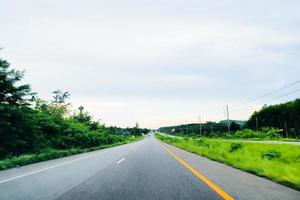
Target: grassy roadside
197 137
49 154
246 139
278 162
260 139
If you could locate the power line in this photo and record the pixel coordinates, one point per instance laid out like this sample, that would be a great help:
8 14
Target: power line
286 94
269 93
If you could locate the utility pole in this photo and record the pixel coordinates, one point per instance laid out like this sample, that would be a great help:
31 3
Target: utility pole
228 122
256 121
182 128
186 126
286 131
81 108
200 125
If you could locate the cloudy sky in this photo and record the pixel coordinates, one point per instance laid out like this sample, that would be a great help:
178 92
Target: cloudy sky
156 62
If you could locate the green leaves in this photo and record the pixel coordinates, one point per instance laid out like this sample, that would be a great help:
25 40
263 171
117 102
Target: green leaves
271 155
235 147
10 93
285 116
27 129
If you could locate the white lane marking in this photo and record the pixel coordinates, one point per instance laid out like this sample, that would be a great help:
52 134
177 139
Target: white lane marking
120 161
54 166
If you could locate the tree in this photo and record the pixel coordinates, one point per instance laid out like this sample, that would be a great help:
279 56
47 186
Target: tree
26 128
83 117
136 129
282 116
58 105
10 93
16 118
60 97
235 127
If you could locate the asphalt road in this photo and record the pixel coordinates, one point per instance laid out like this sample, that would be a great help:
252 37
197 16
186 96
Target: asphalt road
147 169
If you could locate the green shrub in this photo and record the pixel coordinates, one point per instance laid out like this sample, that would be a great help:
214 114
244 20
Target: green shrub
271 132
246 133
265 132
271 155
201 142
235 147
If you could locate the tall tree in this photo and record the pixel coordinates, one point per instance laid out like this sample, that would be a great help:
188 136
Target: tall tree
10 93
284 116
15 116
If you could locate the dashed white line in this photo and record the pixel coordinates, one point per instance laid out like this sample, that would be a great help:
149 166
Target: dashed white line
54 166
120 161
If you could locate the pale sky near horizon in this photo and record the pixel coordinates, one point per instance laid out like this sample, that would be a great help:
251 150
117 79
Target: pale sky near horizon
156 62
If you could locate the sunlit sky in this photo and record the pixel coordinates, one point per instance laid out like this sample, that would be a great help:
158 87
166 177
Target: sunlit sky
156 62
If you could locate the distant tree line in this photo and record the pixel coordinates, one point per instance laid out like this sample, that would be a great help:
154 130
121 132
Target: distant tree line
136 130
207 129
29 124
278 120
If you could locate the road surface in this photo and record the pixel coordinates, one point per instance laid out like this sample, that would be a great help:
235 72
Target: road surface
147 169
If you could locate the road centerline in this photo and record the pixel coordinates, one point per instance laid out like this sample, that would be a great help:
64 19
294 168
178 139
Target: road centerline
218 190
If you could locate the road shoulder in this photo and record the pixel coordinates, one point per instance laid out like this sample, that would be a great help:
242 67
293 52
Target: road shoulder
240 184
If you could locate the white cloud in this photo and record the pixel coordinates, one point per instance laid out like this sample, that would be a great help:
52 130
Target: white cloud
158 55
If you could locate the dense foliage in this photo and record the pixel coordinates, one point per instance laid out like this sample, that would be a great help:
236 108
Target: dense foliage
263 133
31 125
285 116
210 129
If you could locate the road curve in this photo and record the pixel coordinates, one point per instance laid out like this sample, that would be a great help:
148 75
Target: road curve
141 170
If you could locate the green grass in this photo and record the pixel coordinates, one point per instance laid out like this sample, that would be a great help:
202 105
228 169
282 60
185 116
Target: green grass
278 162
49 154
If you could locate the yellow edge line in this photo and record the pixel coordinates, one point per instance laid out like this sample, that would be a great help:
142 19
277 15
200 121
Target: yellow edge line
199 175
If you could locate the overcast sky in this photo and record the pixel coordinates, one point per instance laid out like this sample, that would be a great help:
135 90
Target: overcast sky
155 62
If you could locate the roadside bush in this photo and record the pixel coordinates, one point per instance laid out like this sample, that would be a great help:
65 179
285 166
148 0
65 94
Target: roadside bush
265 132
247 133
270 132
271 155
235 147
202 143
